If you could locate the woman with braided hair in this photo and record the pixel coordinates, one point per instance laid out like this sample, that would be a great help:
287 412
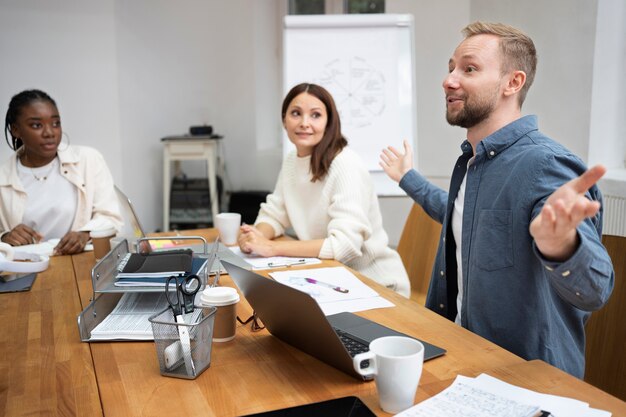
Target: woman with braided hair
49 191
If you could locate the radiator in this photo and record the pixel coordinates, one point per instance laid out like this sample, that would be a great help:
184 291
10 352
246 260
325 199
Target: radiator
614 215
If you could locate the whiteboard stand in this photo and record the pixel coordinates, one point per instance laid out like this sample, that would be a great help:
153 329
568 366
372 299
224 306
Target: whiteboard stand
367 63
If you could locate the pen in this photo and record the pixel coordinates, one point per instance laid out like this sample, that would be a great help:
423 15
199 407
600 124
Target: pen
286 264
299 280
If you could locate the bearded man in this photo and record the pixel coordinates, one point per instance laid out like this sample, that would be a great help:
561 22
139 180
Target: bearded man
520 259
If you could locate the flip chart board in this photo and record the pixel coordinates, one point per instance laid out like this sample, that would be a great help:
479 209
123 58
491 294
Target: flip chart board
367 63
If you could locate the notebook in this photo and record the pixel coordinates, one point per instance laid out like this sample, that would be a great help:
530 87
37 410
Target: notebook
158 280
295 318
156 264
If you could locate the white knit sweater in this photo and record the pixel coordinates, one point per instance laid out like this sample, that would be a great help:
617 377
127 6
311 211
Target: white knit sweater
342 209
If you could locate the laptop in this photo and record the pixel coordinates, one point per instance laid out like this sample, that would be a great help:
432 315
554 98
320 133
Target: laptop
295 318
225 255
133 229
137 232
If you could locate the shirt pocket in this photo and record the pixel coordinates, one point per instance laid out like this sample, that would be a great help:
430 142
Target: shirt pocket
494 240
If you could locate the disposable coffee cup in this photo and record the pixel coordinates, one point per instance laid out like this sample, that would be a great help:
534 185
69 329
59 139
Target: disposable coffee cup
227 225
225 299
101 240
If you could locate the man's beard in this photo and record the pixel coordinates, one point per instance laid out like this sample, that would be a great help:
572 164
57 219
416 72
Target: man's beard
473 111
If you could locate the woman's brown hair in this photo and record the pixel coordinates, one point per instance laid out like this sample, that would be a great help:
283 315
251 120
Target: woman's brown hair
333 141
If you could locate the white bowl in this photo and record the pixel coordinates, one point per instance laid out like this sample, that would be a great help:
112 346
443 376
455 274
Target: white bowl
24 263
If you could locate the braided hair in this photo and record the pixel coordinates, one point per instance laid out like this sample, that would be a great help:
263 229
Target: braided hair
18 102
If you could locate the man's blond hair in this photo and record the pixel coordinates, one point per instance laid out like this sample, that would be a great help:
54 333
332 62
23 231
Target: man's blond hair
518 50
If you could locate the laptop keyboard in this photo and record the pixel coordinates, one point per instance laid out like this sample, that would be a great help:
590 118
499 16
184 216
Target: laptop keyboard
353 346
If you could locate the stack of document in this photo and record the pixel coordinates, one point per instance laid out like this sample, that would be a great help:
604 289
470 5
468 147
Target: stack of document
129 319
155 268
486 396
335 289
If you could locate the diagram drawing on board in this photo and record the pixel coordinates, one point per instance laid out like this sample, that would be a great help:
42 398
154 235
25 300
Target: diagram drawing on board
358 89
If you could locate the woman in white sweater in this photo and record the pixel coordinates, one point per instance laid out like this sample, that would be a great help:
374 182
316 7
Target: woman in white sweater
325 193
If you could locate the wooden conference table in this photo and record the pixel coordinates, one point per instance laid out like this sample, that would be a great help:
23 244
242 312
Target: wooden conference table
46 370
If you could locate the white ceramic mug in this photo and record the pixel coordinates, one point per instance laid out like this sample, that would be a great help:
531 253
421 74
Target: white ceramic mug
228 226
396 363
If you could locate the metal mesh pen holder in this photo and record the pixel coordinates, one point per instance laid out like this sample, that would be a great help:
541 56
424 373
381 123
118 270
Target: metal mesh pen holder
183 350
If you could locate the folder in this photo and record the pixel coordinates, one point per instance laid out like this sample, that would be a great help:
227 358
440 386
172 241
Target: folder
156 264
143 280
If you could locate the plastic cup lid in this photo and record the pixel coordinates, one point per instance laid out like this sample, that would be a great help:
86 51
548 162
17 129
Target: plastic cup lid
94 234
219 296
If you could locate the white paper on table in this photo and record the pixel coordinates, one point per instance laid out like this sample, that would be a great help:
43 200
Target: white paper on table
338 277
556 405
359 297
488 396
45 248
461 399
259 262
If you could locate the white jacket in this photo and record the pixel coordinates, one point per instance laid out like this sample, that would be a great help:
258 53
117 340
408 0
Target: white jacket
85 168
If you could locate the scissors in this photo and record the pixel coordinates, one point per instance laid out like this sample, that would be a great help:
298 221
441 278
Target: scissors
181 301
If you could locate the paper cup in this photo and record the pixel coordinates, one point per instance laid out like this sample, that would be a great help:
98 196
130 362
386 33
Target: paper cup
225 299
101 240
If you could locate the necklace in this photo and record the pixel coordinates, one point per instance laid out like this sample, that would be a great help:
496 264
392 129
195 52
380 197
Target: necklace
52 165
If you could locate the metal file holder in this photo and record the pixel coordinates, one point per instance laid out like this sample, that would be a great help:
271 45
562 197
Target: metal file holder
106 295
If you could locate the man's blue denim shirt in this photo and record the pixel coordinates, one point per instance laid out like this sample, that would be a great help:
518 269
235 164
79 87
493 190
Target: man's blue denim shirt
511 295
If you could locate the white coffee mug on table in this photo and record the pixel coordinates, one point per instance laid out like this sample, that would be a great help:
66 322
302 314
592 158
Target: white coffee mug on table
396 363
227 225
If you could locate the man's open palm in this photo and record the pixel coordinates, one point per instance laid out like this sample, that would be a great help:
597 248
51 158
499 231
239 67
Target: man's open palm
554 229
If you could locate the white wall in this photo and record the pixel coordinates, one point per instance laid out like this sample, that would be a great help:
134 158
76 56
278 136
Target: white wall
193 62
165 85
67 49
564 34
125 74
608 125
437 33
